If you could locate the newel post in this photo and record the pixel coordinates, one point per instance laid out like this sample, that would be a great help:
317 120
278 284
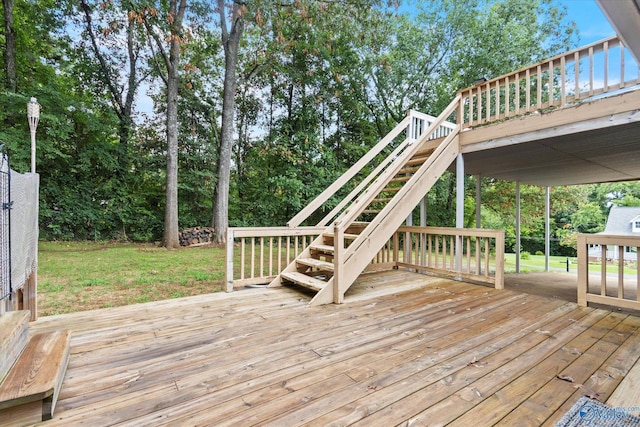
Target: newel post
338 263
229 259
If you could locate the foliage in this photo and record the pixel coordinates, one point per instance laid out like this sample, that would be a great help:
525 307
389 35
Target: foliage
318 84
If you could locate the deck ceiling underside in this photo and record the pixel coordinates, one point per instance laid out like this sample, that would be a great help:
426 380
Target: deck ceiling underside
604 149
608 155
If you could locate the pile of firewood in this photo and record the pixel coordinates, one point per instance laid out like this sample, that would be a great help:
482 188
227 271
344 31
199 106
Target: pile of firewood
196 236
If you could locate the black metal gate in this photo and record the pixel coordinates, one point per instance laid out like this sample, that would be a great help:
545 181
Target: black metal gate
5 229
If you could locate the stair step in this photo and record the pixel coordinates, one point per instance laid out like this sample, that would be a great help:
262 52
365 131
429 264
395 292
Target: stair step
416 161
32 386
322 248
14 336
382 200
312 262
347 236
372 211
408 169
304 280
400 179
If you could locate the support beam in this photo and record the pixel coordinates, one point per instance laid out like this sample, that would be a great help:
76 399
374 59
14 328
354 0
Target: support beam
423 211
517 227
547 228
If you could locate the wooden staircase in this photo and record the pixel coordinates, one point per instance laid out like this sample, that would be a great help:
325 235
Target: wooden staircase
31 370
371 214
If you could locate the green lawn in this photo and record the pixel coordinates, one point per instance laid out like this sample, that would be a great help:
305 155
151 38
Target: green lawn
556 263
82 276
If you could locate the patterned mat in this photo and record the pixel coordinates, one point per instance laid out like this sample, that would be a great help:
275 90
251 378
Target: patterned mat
587 412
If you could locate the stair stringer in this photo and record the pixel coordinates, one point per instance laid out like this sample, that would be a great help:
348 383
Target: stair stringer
373 238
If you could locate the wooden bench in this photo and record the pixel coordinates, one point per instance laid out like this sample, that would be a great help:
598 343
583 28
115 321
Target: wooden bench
29 392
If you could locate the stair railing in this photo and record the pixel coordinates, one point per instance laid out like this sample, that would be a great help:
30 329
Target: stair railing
414 124
343 275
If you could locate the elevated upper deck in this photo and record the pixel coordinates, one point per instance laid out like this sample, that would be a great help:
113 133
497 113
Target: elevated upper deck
573 119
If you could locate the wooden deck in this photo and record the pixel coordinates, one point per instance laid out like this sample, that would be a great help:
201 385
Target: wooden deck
438 352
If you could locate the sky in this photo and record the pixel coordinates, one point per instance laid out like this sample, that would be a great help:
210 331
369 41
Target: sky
591 22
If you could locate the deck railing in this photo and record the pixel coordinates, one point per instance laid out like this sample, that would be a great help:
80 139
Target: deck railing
599 68
618 289
255 255
468 253
263 252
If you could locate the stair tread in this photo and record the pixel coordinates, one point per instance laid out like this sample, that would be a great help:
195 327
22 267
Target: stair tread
348 236
312 262
323 248
304 280
38 372
14 336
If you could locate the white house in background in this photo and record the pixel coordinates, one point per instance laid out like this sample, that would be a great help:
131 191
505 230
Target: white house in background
621 221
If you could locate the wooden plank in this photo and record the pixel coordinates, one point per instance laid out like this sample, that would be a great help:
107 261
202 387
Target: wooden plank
627 394
322 248
540 405
315 263
38 373
14 335
304 280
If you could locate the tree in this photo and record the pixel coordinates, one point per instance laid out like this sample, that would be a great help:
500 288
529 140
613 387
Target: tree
9 46
111 49
231 35
169 71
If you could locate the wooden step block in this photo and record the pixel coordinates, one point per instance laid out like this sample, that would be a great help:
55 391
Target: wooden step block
304 280
14 336
31 388
322 248
312 262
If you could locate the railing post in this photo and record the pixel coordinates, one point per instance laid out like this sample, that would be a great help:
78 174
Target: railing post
338 264
583 270
229 259
499 274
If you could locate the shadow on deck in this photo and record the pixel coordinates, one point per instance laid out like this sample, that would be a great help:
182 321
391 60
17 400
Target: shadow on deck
440 352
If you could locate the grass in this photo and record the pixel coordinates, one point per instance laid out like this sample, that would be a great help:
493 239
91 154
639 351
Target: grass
83 276
557 264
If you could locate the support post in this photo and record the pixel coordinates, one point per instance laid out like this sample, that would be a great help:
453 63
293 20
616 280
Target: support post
517 227
547 228
583 271
478 200
459 208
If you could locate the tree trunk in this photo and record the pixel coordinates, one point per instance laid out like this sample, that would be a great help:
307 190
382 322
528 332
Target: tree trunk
231 41
170 238
10 47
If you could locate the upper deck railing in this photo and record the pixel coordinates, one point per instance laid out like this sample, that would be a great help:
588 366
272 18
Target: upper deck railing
600 68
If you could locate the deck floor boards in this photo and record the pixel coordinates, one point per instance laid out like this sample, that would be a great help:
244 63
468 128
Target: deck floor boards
406 349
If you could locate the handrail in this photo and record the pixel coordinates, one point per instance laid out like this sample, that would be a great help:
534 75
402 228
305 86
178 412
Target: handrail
380 225
345 177
415 124
555 82
349 216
